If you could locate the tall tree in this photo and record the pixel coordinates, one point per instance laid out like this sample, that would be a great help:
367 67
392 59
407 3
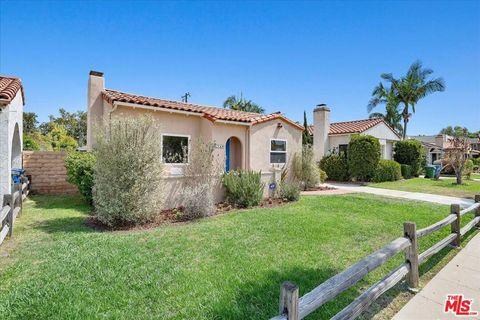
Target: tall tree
392 115
457 130
30 122
413 87
75 123
306 137
242 104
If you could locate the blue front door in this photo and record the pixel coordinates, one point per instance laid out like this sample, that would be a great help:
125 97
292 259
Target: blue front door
227 156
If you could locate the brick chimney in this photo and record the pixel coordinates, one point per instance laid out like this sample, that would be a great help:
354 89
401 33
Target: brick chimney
321 128
96 84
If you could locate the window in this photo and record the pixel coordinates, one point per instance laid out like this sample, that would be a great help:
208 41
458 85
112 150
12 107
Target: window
278 151
342 149
175 149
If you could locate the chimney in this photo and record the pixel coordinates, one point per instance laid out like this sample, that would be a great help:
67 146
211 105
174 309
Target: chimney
96 84
321 128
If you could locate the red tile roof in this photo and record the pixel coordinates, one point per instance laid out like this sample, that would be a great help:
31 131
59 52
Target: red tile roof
211 113
356 126
9 87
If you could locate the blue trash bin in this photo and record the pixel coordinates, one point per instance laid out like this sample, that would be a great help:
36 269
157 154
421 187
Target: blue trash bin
17 175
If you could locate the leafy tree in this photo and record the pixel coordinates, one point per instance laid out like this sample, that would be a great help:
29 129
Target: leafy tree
413 87
409 152
307 139
60 139
75 123
242 104
458 131
392 115
30 122
363 157
36 141
457 153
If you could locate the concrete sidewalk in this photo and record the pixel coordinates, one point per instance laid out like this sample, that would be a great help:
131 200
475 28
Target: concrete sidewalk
402 194
460 276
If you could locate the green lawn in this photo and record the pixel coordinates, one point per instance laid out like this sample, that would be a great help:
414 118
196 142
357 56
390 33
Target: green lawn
446 187
224 267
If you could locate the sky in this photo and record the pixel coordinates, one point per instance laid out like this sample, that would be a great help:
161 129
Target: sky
285 56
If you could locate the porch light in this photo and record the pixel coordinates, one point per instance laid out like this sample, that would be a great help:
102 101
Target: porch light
279 125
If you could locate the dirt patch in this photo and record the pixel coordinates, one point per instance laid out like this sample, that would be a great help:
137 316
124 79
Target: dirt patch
174 216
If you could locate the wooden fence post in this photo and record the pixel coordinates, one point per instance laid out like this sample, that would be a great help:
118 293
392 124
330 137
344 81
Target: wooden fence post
19 202
289 301
477 212
411 254
7 201
455 209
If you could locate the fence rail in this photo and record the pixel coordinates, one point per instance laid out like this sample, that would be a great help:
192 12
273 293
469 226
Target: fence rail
291 307
12 207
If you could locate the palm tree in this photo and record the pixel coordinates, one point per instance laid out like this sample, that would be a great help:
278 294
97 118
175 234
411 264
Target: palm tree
412 88
392 115
242 104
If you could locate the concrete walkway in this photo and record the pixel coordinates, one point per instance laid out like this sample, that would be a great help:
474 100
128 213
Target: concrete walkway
402 194
460 276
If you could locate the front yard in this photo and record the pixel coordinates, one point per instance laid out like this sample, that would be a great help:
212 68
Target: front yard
224 267
446 187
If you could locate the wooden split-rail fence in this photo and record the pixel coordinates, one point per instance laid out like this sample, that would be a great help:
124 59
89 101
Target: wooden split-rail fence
12 207
292 307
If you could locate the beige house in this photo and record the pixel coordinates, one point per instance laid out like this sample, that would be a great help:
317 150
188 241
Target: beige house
243 140
334 137
12 100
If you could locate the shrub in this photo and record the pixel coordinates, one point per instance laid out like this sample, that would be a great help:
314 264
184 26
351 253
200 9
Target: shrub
335 166
80 166
363 157
387 170
406 171
410 152
468 169
323 175
304 168
200 177
289 191
197 201
243 188
128 186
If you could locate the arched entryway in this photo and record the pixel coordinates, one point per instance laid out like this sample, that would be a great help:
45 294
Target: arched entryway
233 154
16 158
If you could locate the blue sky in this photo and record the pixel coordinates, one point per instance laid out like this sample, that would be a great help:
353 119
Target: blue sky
286 56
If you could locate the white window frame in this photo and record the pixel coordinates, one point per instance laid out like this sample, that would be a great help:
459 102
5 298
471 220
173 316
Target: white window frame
270 153
188 147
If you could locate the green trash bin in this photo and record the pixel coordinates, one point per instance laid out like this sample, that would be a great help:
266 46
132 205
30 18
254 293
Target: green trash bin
429 172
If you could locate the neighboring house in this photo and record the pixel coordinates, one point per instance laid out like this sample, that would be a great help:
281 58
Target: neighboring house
243 140
12 101
436 145
334 137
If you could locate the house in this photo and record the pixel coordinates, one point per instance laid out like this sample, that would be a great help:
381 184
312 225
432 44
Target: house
243 140
12 101
334 137
435 146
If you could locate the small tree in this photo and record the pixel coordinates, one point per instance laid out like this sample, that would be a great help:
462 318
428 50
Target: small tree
456 154
128 186
306 137
80 172
363 157
305 169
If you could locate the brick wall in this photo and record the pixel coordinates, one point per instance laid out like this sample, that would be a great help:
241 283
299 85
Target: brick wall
48 172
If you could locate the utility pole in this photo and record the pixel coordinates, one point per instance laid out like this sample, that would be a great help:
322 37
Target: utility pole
185 97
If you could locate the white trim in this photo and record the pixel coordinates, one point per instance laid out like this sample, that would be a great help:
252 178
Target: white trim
234 122
188 148
270 151
161 109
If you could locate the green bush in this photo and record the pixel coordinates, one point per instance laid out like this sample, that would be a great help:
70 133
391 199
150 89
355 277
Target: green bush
335 166
243 188
80 166
406 171
363 157
304 168
468 169
323 175
410 152
476 161
387 170
128 187
289 191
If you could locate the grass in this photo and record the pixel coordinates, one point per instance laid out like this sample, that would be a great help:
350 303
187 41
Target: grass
224 267
446 187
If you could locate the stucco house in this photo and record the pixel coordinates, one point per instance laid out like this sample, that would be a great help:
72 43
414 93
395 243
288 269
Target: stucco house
243 140
12 101
334 137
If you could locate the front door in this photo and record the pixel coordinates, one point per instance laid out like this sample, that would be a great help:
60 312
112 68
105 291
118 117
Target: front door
227 156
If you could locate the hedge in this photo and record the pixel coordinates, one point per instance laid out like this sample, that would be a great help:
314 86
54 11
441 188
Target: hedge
406 171
335 166
410 152
80 166
363 157
387 170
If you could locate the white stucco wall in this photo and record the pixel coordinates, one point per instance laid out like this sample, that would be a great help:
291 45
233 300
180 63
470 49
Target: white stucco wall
10 117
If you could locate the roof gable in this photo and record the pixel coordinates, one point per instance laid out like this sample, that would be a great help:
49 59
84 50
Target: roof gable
211 113
355 126
9 87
